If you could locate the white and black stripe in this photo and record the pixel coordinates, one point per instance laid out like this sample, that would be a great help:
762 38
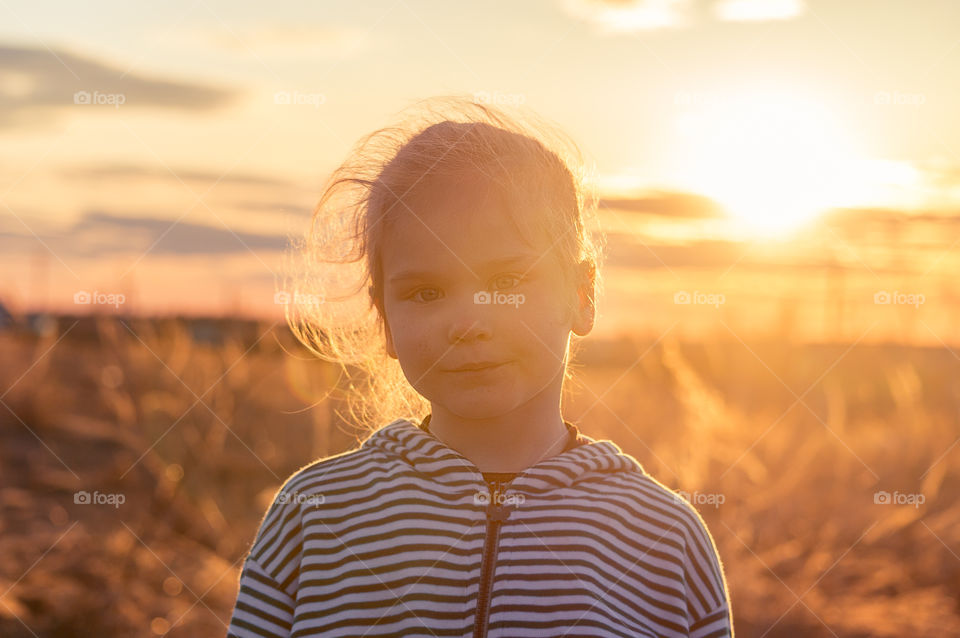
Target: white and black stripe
389 540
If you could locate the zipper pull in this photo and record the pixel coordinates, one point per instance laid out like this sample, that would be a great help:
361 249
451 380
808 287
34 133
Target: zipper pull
497 512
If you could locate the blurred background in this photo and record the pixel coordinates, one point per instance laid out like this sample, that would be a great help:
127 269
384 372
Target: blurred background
780 188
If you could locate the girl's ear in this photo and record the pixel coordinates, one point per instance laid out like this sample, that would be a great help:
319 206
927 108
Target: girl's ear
586 309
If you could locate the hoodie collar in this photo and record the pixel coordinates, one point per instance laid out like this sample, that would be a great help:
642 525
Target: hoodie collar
405 441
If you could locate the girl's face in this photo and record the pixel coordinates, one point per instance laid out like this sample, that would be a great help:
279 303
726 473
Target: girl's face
462 290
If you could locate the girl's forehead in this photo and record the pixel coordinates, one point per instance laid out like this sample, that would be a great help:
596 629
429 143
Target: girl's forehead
450 222
458 224
422 244
460 227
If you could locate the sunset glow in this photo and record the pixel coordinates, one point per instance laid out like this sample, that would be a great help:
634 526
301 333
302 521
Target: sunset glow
773 161
171 160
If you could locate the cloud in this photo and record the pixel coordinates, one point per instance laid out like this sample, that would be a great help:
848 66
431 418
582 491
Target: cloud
181 238
251 192
631 16
941 226
114 172
295 209
38 85
757 10
626 16
102 234
628 251
667 204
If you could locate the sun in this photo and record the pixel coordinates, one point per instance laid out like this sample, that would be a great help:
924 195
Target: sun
774 161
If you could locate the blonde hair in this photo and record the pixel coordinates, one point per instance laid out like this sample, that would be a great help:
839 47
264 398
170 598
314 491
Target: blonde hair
537 172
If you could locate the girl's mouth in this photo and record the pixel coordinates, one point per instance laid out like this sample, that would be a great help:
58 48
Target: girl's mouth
481 366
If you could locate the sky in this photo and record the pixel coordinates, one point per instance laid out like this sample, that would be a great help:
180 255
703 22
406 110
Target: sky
165 152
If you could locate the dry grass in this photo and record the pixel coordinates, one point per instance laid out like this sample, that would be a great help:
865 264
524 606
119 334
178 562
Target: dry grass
197 436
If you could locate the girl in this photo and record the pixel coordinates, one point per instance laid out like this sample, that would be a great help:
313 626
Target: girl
485 513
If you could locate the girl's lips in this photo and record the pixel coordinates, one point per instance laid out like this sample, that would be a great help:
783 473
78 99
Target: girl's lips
479 367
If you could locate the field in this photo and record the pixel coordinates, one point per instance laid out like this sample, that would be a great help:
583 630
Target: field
829 474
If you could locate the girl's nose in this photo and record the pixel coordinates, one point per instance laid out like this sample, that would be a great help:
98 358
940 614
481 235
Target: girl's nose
469 324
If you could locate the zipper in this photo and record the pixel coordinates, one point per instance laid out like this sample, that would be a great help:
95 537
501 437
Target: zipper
496 515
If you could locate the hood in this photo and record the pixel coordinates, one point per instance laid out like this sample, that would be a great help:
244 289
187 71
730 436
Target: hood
406 444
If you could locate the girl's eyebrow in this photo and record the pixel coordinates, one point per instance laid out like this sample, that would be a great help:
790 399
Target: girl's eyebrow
523 260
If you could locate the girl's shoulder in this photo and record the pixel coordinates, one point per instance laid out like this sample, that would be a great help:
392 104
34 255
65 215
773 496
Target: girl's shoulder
654 501
307 487
333 469
366 459
675 521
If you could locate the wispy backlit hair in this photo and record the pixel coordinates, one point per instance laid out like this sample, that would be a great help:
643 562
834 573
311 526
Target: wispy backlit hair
335 277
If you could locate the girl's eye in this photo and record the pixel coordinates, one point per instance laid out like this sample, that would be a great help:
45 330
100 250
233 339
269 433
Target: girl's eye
431 294
501 282
507 281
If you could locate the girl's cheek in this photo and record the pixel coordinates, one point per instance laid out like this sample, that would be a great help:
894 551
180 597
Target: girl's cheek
425 338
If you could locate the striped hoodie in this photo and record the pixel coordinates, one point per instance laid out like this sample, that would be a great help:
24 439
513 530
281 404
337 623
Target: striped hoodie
404 537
